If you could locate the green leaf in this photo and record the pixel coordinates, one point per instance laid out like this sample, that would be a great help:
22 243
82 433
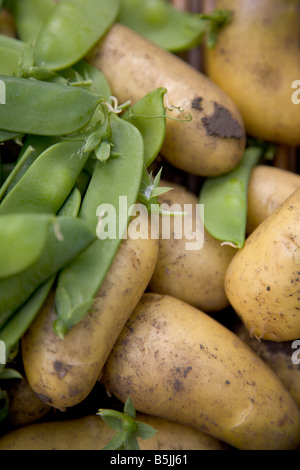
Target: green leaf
112 422
129 408
116 442
145 431
131 442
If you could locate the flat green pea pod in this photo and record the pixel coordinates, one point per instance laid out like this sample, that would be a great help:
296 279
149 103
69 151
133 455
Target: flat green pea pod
9 59
148 115
15 257
120 175
29 16
225 200
169 27
19 322
43 108
66 237
10 51
11 43
48 181
72 29
32 147
13 330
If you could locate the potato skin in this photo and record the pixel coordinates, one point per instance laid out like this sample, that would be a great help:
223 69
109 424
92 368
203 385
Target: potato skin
212 142
268 187
279 357
177 362
91 433
195 276
24 406
262 281
255 61
63 372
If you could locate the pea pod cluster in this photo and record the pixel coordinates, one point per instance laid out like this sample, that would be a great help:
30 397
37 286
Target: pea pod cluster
75 148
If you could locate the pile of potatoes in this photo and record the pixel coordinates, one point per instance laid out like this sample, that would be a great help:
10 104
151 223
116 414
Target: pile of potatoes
203 341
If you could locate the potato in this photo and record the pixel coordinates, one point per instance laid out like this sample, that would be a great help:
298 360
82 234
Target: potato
282 357
63 372
24 406
262 281
256 61
212 142
177 362
191 270
268 187
91 433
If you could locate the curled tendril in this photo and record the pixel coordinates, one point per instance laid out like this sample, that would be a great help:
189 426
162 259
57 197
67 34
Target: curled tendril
116 107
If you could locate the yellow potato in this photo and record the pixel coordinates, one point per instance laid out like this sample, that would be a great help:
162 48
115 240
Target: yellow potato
192 270
256 61
212 142
63 372
282 357
268 187
177 362
91 433
262 281
24 406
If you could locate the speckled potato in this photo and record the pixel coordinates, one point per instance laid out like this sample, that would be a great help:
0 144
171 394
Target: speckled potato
192 270
177 362
24 406
90 433
209 144
262 281
63 372
256 61
282 357
268 187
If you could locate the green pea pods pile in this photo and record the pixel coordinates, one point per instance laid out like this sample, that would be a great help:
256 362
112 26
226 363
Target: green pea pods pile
77 152
76 149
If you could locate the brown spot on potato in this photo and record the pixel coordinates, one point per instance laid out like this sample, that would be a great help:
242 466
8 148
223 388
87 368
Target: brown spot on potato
222 124
196 103
61 369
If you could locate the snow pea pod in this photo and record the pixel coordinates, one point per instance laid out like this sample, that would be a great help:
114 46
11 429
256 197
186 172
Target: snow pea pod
167 26
29 16
225 200
43 108
15 257
48 181
19 322
78 283
13 330
148 115
78 26
66 237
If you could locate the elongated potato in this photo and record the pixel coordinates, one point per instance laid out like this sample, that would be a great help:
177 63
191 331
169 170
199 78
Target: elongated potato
177 362
63 372
91 433
256 61
282 357
191 264
24 406
212 142
262 281
268 187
